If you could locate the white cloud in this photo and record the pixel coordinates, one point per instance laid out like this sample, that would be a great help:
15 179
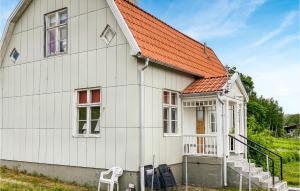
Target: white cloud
221 18
282 43
287 21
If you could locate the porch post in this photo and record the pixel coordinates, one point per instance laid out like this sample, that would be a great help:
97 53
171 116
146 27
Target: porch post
226 127
220 126
245 125
237 127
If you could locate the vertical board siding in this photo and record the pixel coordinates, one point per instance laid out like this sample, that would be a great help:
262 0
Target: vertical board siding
38 94
167 149
37 106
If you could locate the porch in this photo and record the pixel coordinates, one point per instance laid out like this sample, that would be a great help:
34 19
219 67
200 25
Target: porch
207 122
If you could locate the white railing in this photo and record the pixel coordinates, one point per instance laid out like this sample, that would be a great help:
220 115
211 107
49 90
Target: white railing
200 145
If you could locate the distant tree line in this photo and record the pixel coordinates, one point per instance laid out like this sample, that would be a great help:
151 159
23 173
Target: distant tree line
264 114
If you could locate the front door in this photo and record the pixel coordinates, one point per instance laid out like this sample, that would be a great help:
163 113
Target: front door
200 128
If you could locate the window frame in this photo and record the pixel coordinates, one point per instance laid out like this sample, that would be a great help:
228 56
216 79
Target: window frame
210 122
12 54
88 105
170 106
57 28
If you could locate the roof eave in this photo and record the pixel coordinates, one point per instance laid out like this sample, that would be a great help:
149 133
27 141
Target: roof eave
10 25
200 94
135 49
170 66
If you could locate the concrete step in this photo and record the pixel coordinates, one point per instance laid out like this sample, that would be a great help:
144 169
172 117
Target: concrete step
280 186
267 183
261 176
258 176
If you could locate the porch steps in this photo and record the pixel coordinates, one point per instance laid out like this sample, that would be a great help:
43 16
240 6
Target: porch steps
259 177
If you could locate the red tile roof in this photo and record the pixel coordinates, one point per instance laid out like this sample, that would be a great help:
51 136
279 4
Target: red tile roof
162 43
206 85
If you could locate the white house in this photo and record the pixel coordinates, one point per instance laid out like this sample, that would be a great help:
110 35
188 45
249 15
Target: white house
91 84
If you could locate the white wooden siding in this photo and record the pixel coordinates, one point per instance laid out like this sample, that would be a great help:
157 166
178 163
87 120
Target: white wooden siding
36 109
167 149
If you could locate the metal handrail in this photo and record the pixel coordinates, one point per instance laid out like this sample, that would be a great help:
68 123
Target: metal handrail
267 149
261 152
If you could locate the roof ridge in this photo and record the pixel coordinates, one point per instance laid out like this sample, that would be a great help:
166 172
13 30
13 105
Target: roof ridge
214 77
198 42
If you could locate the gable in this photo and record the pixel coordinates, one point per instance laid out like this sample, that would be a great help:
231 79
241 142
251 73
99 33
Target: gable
236 88
87 20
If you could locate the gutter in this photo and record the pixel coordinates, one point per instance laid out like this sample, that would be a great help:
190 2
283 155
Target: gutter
142 126
224 140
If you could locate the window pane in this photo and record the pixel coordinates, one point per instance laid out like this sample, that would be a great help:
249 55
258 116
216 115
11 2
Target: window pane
95 113
166 129
82 127
213 127
95 96
63 17
63 39
166 113
166 97
174 114
82 113
95 126
213 117
52 41
174 99
82 97
174 126
52 20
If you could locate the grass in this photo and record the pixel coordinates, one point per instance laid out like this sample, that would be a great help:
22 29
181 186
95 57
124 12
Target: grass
13 180
289 148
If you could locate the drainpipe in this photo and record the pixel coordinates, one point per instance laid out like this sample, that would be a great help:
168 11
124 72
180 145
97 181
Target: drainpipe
224 145
142 127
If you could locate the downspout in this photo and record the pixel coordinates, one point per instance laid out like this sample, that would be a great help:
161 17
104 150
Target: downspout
142 127
224 145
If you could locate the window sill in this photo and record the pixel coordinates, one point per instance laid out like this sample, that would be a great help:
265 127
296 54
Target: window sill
56 54
172 135
86 136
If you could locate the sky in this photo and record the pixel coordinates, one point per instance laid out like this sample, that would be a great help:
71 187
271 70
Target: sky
259 37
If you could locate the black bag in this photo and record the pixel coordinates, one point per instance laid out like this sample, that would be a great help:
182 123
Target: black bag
148 171
167 179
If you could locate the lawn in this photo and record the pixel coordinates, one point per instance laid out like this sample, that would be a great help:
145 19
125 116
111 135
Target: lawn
12 180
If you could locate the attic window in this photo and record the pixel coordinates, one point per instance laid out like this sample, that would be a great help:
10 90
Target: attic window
108 34
14 55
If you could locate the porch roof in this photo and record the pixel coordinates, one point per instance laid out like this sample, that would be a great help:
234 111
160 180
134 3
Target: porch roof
206 85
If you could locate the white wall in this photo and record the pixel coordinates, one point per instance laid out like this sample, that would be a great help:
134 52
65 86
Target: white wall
167 149
38 92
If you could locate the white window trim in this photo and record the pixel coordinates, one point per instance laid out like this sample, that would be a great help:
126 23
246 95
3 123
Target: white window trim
170 106
88 105
209 122
56 27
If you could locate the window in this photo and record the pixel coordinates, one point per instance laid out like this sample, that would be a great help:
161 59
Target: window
212 122
14 55
170 112
108 34
88 111
56 32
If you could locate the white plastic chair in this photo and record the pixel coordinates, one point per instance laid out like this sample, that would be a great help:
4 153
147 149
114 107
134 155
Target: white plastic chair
116 172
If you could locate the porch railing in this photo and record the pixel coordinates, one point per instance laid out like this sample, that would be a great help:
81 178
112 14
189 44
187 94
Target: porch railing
200 145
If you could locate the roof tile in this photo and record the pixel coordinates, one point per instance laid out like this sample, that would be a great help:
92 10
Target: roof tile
206 85
161 42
